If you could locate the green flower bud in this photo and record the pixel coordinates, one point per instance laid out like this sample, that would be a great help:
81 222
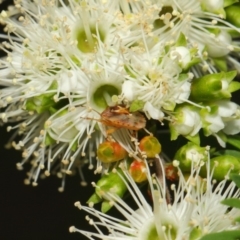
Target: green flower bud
232 14
109 152
222 165
150 145
190 154
110 182
42 103
215 86
213 7
187 57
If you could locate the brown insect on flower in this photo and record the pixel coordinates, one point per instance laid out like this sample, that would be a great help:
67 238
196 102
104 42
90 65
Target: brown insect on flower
120 117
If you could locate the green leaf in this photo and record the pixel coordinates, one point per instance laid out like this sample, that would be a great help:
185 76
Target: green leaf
231 202
106 206
195 139
94 199
236 179
234 141
234 86
182 41
136 105
225 235
230 75
221 63
49 140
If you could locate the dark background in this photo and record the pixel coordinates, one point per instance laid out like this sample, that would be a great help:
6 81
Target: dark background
39 213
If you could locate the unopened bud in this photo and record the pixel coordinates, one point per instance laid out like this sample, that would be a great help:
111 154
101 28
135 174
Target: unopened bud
138 171
171 172
222 166
190 155
150 145
214 86
109 152
232 13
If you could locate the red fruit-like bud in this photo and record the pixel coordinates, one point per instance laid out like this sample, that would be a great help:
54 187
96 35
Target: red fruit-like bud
171 172
108 152
138 171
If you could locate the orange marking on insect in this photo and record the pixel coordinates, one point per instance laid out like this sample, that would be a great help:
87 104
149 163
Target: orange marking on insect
120 117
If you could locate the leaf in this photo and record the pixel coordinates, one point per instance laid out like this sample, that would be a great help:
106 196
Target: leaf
136 105
182 41
195 139
221 63
234 86
94 199
231 202
225 235
236 179
234 141
106 206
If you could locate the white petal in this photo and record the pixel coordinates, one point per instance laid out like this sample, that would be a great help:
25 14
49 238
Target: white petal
191 123
216 123
226 108
68 81
232 127
184 92
218 46
128 90
182 54
153 112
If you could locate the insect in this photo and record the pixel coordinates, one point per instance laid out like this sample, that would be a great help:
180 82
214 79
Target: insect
120 117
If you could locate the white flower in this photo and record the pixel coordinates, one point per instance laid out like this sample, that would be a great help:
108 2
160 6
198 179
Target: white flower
66 62
188 121
156 83
60 73
226 118
196 22
182 54
194 210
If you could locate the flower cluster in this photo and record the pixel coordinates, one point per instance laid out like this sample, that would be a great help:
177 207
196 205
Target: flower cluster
67 62
188 210
93 81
